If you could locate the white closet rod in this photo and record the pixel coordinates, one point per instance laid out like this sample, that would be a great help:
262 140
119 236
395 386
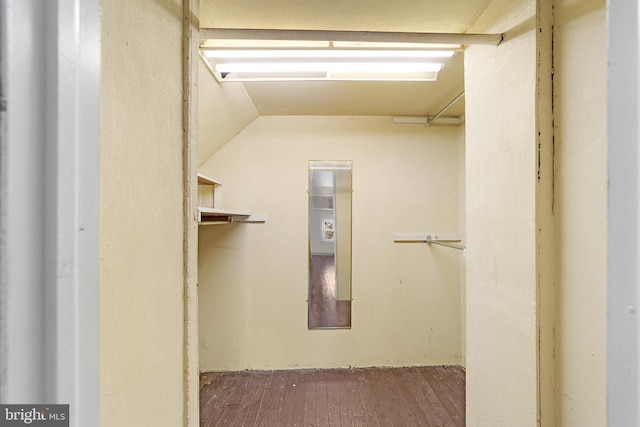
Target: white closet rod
430 120
350 36
436 239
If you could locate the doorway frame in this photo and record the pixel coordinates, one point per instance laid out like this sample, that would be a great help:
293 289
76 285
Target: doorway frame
49 240
623 237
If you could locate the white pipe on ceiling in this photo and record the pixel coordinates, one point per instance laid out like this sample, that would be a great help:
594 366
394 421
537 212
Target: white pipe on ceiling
350 36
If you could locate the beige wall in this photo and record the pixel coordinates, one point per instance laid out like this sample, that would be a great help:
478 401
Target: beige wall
141 215
501 149
223 111
580 211
513 256
253 277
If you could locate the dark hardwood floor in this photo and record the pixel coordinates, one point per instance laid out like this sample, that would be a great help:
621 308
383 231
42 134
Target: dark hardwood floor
325 310
383 397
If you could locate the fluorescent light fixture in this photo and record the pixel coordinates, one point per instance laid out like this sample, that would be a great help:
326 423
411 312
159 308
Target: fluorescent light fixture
270 44
363 77
330 67
366 71
226 43
325 53
282 62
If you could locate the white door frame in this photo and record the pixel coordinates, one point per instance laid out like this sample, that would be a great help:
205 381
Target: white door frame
49 159
623 278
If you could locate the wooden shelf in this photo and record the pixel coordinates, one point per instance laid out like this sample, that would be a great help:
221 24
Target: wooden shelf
222 216
212 212
208 215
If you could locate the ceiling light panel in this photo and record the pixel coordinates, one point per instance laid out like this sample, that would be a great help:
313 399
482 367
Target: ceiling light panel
324 53
281 63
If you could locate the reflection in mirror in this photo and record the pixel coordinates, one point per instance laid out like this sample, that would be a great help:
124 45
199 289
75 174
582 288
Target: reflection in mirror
329 244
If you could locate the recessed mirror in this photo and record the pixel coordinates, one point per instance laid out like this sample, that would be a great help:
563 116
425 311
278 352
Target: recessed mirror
329 299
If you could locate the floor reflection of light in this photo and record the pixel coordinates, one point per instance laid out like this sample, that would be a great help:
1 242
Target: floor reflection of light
323 304
328 278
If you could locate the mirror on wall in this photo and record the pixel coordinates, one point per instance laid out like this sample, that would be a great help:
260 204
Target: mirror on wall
329 299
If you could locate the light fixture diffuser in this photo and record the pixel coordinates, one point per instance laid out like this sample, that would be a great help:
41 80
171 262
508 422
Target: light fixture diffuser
330 67
351 54
282 62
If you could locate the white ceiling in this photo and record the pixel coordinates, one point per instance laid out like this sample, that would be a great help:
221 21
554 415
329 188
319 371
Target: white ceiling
352 98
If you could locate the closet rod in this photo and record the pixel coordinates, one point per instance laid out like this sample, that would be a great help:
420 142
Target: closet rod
430 120
350 36
449 245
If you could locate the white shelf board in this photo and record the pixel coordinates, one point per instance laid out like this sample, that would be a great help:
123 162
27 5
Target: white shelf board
203 179
213 212
232 216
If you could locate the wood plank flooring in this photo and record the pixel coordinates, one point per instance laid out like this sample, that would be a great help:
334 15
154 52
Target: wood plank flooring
325 310
382 397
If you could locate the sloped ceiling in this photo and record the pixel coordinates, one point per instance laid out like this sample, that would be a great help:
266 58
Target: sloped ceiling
352 98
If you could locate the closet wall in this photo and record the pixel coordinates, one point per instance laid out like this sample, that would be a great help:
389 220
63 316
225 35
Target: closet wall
223 111
502 196
528 299
253 277
141 215
581 211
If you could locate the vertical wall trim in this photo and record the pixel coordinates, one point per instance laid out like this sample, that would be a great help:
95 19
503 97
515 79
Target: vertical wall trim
545 229
190 43
623 276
